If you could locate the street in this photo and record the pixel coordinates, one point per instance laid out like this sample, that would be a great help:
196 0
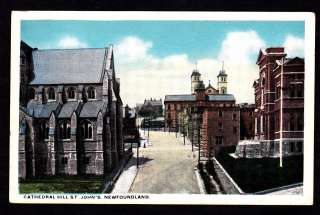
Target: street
166 166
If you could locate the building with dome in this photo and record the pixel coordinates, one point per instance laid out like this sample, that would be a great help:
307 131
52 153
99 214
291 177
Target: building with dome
208 116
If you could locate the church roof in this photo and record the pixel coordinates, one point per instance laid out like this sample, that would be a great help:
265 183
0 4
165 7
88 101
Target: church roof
68 109
68 66
221 97
38 110
186 97
91 108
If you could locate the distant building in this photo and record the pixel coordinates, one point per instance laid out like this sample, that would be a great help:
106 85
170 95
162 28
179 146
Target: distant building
207 116
70 112
152 108
130 129
279 100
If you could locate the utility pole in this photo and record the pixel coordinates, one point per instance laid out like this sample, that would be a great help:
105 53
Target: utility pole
148 128
281 112
199 144
138 154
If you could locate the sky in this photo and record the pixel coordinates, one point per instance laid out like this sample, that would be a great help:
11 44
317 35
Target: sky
156 58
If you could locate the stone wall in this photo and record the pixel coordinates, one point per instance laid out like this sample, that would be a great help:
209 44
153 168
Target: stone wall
227 183
260 149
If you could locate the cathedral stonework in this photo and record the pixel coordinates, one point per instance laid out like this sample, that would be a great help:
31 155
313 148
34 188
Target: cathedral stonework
70 112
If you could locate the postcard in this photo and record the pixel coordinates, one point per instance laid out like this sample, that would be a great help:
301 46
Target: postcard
162 107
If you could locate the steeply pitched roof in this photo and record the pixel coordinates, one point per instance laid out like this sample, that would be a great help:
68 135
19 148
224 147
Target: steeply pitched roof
66 66
172 98
42 110
221 97
67 109
92 108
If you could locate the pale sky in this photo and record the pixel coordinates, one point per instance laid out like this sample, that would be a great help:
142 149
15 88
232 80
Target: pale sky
156 58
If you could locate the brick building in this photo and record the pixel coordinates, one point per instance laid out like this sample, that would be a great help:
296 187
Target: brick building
70 112
279 98
246 121
207 116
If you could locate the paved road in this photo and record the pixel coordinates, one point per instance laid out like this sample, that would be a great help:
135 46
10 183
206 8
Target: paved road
167 166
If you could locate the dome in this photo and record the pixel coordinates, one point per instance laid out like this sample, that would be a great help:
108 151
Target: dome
199 86
195 72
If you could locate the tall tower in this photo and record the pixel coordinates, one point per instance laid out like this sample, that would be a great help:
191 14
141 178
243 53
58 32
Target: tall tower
222 81
195 79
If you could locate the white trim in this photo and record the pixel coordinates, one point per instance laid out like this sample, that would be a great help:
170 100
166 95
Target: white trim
288 73
288 132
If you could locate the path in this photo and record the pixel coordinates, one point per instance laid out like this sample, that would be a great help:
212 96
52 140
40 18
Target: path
166 167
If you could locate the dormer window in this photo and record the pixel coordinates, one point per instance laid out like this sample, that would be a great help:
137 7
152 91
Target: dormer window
51 94
91 93
71 93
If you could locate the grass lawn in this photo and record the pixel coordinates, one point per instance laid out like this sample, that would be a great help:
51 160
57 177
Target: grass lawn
253 175
61 185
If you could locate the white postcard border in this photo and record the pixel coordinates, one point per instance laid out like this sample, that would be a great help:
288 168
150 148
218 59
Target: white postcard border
305 199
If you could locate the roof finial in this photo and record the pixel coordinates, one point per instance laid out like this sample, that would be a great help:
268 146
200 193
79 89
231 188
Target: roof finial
209 82
196 65
222 65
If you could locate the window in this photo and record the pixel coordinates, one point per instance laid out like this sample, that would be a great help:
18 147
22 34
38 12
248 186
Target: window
291 122
86 130
71 93
51 94
234 116
299 146
43 131
220 113
220 126
299 90
234 129
32 93
91 93
292 90
87 160
64 160
65 130
292 146
219 140
300 121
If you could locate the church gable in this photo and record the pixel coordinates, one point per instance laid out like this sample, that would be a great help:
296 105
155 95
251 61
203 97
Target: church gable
68 66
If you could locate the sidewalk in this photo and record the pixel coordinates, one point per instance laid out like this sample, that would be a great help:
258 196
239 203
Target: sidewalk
127 177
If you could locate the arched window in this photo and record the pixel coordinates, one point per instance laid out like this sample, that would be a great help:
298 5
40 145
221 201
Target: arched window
51 94
86 130
32 93
65 129
71 93
43 130
91 93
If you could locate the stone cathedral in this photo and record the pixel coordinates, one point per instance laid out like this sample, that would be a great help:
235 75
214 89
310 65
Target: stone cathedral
70 112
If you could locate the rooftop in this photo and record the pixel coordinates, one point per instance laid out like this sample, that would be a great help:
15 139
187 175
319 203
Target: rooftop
67 66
